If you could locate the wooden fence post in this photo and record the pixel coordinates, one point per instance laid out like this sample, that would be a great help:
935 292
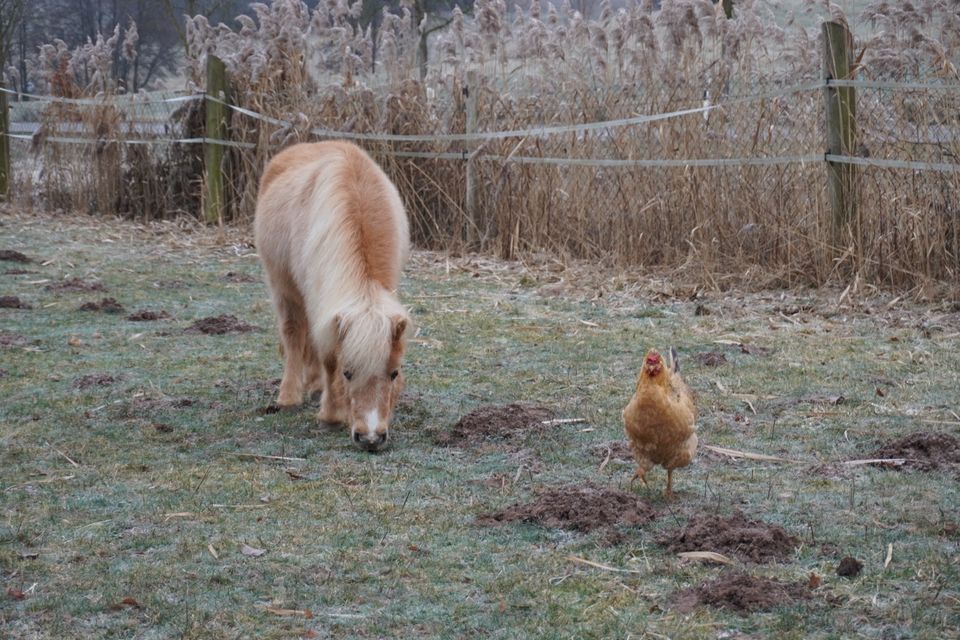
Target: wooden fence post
470 199
841 115
4 145
214 155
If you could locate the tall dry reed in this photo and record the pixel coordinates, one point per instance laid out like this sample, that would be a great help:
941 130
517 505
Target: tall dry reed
547 64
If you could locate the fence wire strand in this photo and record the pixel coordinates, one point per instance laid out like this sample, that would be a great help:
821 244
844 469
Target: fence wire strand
627 172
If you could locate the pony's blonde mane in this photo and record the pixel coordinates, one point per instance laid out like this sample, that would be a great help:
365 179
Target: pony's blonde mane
344 303
366 334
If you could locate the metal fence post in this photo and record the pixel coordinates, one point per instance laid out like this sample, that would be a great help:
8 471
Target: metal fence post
4 145
470 199
214 154
841 114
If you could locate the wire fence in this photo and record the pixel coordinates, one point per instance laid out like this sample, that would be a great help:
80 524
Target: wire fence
660 178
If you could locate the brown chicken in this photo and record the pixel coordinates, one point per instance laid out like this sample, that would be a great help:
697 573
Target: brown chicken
660 419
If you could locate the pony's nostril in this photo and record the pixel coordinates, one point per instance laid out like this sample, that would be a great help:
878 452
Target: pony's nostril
381 438
356 436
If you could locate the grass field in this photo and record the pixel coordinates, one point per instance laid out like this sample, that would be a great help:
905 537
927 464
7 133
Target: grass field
136 501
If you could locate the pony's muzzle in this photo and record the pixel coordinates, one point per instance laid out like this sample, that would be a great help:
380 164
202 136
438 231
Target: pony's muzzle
371 441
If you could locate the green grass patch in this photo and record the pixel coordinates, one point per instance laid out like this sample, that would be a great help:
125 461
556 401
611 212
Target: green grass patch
133 475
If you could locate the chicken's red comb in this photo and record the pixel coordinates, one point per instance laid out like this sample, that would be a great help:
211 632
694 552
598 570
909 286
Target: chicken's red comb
653 358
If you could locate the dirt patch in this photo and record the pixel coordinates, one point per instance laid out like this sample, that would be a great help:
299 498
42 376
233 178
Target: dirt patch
737 536
13 302
13 256
105 305
269 410
75 284
219 325
923 451
495 423
144 315
711 359
8 339
577 507
741 593
849 567
615 450
237 276
93 380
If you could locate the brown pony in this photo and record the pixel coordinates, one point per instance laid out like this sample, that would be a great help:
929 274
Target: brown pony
333 237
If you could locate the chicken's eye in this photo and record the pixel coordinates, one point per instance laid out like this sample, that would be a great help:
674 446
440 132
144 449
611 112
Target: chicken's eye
348 375
394 374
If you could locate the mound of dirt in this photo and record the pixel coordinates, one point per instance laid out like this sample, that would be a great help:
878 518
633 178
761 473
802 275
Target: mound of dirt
219 325
75 284
106 305
711 359
576 507
849 567
8 339
144 315
13 256
738 536
93 380
741 593
13 302
922 451
495 423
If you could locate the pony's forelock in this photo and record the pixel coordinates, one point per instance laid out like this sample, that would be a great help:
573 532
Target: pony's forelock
366 335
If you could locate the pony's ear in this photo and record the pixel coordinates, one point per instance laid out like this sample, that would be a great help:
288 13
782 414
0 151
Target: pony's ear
400 324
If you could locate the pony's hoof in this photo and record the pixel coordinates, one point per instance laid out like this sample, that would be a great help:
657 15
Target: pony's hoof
289 401
331 420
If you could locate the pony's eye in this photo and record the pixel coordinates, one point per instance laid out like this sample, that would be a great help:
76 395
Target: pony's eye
348 375
394 374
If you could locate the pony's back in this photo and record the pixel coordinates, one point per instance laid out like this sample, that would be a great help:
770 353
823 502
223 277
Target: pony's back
327 206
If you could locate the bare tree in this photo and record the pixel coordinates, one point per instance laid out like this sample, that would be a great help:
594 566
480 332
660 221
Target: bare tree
11 16
137 62
214 10
431 16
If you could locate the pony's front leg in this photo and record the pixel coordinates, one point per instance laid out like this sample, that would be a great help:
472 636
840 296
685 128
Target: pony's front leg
312 372
333 402
293 333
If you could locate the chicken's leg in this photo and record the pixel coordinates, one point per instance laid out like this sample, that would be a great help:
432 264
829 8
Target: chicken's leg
641 473
669 492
